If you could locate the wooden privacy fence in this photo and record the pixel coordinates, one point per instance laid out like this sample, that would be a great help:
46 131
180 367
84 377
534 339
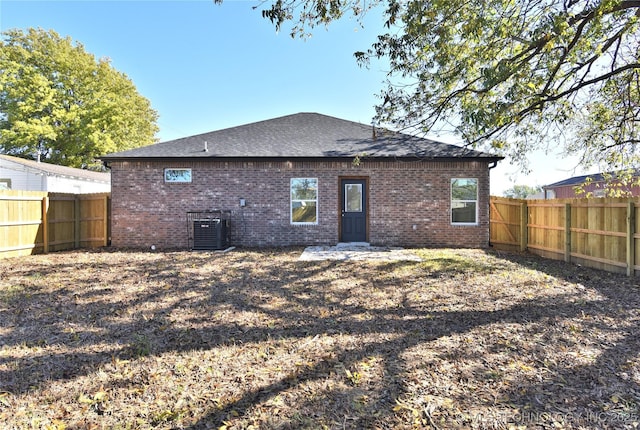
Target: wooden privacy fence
39 222
600 233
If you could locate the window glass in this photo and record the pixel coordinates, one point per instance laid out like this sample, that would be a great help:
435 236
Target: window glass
304 200
464 201
353 197
177 175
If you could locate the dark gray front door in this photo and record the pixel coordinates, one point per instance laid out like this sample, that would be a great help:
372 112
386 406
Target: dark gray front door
354 210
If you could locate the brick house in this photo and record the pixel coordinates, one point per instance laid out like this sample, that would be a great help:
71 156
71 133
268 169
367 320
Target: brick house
303 179
594 185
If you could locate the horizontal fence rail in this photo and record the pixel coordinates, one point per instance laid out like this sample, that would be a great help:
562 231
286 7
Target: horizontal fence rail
599 233
34 222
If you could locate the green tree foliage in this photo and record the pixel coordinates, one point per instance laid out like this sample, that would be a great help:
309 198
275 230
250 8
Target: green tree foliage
57 101
522 191
511 75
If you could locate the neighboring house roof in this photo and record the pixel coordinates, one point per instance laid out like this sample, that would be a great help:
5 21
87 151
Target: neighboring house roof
576 180
579 180
302 135
56 170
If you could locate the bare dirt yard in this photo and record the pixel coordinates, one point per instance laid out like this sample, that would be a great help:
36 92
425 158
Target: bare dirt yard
257 339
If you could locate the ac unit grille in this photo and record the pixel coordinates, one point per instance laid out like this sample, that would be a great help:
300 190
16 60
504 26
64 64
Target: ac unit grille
208 230
206 234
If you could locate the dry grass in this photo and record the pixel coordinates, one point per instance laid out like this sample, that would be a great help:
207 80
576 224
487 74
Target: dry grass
256 339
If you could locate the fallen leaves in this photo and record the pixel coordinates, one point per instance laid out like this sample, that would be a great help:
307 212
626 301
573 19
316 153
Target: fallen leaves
256 339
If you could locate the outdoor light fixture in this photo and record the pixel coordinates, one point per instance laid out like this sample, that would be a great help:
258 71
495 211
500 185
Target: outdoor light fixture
243 203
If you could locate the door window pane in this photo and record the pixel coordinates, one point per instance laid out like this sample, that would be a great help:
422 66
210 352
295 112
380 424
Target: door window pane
353 197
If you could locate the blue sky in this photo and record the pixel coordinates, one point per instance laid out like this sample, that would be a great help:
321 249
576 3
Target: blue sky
205 67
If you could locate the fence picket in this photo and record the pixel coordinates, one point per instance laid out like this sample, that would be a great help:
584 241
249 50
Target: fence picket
599 233
34 222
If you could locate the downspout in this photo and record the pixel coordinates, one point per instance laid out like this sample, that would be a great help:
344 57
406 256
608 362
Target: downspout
491 166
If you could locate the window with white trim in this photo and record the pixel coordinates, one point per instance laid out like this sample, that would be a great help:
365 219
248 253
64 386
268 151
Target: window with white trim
464 201
304 200
177 175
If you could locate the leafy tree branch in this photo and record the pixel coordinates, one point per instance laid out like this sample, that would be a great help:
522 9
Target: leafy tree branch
511 75
58 103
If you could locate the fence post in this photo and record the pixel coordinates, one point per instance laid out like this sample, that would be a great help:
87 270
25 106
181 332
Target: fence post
105 224
45 224
567 232
524 231
631 249
76 219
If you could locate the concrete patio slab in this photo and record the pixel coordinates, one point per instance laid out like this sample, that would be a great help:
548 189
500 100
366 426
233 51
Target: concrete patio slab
357 251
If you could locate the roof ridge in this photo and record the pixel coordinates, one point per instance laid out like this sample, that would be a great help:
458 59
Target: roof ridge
303 135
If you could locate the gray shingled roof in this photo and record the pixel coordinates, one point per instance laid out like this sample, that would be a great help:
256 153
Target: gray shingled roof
578 180
56 170
304 135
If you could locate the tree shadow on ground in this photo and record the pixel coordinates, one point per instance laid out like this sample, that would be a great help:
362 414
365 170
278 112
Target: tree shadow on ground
598 383
468 339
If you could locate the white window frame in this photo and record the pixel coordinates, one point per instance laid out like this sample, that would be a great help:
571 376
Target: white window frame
292 200
453 201
177 180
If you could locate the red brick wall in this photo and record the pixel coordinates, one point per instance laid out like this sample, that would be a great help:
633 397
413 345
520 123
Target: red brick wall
409 202
596 189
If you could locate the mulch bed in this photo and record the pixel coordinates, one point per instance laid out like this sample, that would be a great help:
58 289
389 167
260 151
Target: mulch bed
257 339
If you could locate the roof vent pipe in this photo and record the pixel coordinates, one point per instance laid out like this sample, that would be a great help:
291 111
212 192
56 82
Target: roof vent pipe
206 148
373 125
